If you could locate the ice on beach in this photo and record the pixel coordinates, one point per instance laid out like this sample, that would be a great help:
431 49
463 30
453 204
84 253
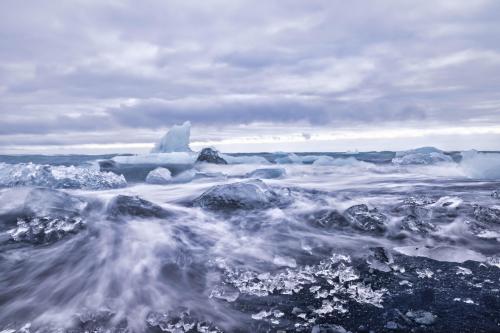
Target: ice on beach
28 174
159 176
176 140
424 155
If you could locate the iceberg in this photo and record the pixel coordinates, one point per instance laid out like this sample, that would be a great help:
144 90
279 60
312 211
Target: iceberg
70 177
424 155
480 165
176 140
159 176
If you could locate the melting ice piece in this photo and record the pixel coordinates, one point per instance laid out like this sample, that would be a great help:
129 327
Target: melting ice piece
125 205
227 293
424 155
252 194
267 173
45 230
159 176
365 219
442 253
421 317
176 140
284 261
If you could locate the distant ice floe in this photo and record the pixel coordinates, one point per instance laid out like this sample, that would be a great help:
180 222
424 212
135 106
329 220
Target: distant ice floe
421 156
28 174
158 158
176 140
245 159
481 165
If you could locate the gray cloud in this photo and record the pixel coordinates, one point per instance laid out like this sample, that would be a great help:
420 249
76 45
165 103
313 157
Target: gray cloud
110 66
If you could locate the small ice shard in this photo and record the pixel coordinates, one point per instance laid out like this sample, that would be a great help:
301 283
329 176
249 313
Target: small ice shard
253 194
125 205
210 155
442 253
159 176
176 140
284 261
463 271
424 273
421 317
424 155
227 293
365 219
326 307
261 315
365 294
267 173
328 328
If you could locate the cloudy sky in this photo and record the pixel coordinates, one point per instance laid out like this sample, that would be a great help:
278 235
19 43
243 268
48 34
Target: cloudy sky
102 76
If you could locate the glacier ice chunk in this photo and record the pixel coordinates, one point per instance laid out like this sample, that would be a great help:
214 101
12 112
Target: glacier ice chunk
176 140
480 165
28 174
159 176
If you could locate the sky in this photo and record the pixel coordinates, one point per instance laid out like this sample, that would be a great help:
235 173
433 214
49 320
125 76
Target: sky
100 76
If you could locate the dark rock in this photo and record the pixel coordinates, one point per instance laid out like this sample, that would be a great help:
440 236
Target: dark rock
210 155
495 194
365 219
107 164
123 205
253 194
486 215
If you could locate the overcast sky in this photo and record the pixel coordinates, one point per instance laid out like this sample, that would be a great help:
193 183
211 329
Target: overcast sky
101 76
